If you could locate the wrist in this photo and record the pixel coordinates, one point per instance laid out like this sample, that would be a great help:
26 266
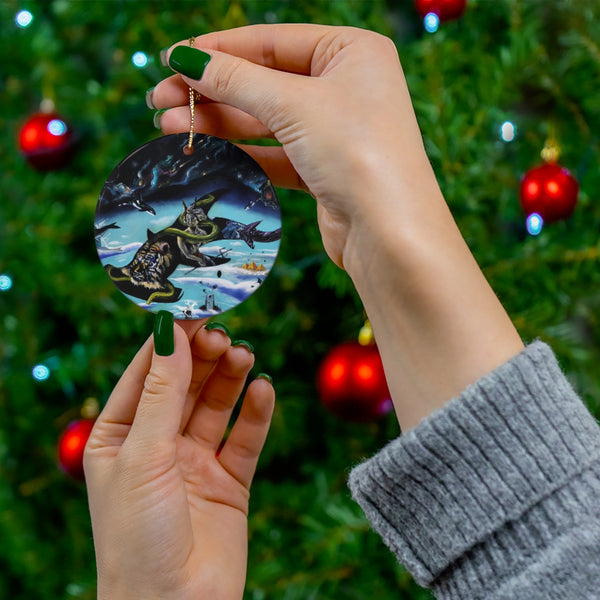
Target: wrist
397 216
438 324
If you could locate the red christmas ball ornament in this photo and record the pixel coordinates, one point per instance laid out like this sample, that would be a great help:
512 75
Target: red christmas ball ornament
71 445
46 141
446 10
550 191
352 384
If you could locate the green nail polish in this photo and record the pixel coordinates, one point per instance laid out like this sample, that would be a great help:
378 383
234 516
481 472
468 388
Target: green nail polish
218 327
265 376
244 343
189 61
164 341
149 102
157 116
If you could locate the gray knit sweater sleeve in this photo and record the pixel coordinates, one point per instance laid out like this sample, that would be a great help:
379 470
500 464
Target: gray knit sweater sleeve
497 494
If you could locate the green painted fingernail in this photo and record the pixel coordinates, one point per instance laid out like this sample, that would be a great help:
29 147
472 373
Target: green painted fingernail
218 327
244 343
164 341
189 61
265 376
149 102
157 115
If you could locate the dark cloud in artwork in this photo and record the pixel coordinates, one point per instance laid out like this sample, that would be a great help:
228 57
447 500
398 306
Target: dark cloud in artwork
159 171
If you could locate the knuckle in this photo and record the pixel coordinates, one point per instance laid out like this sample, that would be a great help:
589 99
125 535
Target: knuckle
227 76
155 388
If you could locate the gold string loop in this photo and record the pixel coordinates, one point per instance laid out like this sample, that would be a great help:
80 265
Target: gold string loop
189 148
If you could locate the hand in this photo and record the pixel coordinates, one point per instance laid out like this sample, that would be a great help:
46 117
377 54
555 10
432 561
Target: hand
169 513
337 101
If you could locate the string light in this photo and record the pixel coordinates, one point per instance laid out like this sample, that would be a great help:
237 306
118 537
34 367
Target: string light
57 127
23 19
5 283
508 131
40 372
139 59
535 223
431 22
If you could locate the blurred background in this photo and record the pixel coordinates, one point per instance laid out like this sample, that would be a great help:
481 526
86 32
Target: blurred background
494 84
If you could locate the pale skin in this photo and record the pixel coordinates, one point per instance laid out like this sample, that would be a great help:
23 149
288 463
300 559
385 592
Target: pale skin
169 515
337 101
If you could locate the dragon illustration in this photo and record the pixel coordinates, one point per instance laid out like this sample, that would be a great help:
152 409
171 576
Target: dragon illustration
147 275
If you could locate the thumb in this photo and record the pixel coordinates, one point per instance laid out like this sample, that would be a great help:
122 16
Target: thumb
159 412
257 90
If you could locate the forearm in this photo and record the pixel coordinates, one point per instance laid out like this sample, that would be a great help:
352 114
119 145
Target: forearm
437 322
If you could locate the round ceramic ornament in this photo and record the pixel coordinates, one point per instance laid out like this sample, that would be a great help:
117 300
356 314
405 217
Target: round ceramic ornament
191 232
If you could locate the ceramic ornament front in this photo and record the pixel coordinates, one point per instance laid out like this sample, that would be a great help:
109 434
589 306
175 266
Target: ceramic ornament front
195 234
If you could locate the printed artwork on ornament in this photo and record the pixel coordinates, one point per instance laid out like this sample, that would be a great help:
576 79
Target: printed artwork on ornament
193 234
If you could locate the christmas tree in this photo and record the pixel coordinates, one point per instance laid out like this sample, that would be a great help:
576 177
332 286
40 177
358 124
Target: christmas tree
492 88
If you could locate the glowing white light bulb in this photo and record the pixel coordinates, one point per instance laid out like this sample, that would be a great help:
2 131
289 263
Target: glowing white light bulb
431 22
139 59
57 127
5 283
23 18
534 224
40 372
508 131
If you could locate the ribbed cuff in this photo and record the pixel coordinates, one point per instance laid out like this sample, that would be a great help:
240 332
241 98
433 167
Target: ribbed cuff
479 484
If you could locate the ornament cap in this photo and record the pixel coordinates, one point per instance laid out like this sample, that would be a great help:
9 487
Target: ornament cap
365 335
551 151
47 106
90 408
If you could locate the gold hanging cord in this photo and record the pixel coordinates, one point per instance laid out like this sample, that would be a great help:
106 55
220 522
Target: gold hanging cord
189 148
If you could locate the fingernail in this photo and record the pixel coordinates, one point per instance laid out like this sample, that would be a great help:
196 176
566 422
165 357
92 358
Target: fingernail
265 376
156 119
149 102
189 61
164 341
244 343
163 57
218 327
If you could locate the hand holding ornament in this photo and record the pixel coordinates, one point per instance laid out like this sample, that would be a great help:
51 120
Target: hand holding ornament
337 101
169 510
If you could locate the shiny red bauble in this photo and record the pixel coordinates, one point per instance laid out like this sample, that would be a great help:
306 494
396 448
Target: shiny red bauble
550 191
352 384
46 141
71 445
444 9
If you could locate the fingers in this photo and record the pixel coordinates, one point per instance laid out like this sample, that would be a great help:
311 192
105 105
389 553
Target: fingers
207 348
213 119
162 399
226 79
240 453
285 47
274 162
230 123
191 326
113 423
209 419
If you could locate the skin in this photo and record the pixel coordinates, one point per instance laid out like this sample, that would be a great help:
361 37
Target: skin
169 520
349 136
169 516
